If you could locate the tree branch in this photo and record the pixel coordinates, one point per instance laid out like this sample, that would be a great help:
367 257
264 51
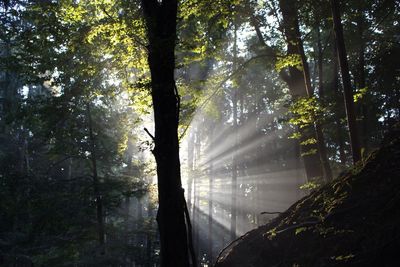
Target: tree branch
271 212
151 136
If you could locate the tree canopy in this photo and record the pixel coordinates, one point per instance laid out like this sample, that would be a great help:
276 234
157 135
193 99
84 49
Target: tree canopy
155 132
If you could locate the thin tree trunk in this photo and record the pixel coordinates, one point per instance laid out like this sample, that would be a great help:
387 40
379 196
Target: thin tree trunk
241 166
347 90
210 210
234 157
259 161
321 92
69 168
96 189
160 19
361 77
320 59
338 100
190 169
149 237
197 185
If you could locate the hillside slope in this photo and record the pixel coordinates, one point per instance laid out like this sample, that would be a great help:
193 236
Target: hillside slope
353 221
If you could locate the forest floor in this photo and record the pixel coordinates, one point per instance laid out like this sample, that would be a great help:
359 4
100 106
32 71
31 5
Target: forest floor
352 221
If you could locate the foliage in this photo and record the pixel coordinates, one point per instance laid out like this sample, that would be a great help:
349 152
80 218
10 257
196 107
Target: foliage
304 111
290 60
62 57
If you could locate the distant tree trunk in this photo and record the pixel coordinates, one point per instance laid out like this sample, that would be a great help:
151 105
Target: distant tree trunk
193 182
196 190
347 90
257 163
241 211
210 211
300 85
361 77
160 19
69 168
338 100
139 208
234 157
129 155
127 201
96 184
320 60
191 193
321 92
25 149
149 251
149 236
190 169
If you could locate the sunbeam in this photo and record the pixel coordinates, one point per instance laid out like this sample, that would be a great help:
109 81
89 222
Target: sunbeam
264 182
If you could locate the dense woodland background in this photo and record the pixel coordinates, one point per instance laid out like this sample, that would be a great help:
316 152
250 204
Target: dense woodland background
275 99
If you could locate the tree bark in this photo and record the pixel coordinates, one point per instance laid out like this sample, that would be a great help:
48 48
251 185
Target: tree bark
347 90
160 19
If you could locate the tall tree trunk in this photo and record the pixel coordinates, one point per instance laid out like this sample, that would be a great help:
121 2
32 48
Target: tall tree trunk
338 102
321 92
241 166
234 157
96 189
300 85
361 77
296 84
347 90
160 18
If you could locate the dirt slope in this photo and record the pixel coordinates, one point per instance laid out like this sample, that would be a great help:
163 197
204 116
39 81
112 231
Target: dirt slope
353 221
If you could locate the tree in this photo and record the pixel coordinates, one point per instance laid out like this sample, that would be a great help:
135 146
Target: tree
160 20
299 83
347 89
234 190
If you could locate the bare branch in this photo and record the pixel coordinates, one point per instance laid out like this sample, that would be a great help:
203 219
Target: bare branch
151 136
271 212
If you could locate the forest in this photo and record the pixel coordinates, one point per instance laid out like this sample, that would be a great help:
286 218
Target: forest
198 133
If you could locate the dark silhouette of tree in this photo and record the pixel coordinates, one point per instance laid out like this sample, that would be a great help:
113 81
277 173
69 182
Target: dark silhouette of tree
347 89
160 20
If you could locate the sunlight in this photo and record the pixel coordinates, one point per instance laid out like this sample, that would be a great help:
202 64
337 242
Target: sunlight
262 185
